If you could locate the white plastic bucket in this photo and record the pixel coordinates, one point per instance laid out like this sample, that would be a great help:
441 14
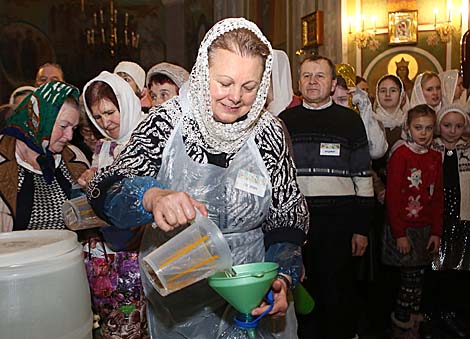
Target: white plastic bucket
43 286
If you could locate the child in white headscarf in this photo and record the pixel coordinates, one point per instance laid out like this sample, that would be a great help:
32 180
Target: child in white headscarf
450 281
427 90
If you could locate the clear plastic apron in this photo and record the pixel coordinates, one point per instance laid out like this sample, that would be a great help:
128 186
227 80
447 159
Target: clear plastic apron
238 200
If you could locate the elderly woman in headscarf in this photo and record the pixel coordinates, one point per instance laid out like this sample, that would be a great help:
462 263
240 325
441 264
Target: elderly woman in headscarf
164 81
427 90
38 166
198 151
114 110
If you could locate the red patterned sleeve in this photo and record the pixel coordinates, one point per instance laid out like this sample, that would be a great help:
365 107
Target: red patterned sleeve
396 176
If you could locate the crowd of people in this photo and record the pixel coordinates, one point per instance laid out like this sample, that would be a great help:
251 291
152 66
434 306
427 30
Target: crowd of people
313 182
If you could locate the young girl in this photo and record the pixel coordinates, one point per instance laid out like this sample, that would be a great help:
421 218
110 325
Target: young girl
453 261
414 203
427 90
390 94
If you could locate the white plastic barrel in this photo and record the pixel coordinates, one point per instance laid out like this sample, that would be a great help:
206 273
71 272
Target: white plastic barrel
44 291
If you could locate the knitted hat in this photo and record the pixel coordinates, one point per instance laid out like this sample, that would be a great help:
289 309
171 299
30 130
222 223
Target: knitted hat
134 70
176 73
456 108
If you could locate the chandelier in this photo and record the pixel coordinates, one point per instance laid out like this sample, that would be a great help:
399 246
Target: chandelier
110 30
446 29
364 37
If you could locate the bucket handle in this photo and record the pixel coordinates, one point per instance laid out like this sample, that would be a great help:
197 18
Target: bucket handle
100 239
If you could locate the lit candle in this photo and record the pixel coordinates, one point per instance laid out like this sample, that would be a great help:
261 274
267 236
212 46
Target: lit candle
103 39
115 35
126 38
349 25
101 16
362 23
88 37
137 41
435 17
115 15
92 36
95 20
449 7
126 21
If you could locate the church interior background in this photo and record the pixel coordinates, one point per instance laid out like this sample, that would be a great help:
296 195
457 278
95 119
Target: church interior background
371 35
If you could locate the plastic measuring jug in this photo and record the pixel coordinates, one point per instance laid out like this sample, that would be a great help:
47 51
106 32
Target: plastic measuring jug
78 214
197 252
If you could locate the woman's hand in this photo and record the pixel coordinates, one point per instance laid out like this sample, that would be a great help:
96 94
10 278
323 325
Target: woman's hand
381 197
86 177
403 245
359 244
279 288
433 244
171 209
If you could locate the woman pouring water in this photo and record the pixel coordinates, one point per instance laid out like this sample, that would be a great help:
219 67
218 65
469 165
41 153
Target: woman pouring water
213 149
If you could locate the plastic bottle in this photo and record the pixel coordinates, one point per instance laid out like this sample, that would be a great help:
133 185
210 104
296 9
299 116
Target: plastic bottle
303 301
243 328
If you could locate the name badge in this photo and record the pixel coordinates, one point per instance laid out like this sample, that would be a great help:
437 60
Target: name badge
251 183
331 150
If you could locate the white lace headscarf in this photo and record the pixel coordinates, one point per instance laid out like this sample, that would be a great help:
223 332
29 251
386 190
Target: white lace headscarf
417 96
389 120
221 137
449 81
129 105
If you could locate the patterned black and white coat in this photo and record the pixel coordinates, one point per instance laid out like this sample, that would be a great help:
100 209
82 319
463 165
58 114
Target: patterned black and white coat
288 214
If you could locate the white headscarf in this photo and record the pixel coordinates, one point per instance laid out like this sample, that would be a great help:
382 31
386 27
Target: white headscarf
222 137
26 89
129 106
449 80
389 120
417 96
281 82
134 70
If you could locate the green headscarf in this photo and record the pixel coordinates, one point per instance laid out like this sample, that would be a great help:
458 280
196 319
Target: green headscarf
34 118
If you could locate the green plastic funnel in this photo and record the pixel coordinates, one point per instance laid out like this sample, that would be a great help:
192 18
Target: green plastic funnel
245 289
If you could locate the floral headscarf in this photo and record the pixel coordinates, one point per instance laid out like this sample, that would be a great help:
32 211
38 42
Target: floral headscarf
222 137
396 118
34 118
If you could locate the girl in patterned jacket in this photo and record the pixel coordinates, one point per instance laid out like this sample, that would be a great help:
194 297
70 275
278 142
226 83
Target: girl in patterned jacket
452 265
414 203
